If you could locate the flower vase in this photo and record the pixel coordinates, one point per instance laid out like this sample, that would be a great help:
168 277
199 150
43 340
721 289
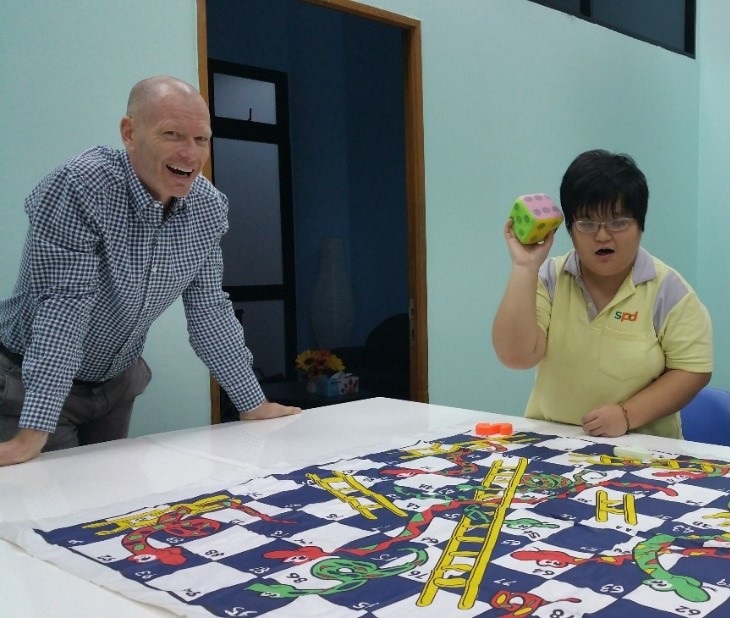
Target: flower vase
312 385
332 307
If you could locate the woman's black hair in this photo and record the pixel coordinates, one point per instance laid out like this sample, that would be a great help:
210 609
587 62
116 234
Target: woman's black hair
604 183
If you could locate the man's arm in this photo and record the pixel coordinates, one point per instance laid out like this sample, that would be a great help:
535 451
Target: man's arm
59 278
268 409
27 444
217 338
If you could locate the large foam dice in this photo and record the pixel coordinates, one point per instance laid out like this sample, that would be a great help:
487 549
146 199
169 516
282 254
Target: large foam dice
534 217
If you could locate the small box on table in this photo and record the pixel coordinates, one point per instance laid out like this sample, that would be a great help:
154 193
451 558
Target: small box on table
339 384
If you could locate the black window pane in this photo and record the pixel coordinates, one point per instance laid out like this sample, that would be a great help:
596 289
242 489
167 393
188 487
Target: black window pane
669 23
658 21
567 6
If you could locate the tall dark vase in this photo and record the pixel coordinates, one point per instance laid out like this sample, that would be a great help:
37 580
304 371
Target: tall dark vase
331 310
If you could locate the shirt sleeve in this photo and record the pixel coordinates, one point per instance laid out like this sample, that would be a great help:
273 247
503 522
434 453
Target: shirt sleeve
544 297
60 254
217 336
686 336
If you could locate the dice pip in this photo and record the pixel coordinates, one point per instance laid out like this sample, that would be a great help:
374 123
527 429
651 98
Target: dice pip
534 216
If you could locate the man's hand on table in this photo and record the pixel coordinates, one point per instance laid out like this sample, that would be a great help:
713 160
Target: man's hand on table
27 444
269 409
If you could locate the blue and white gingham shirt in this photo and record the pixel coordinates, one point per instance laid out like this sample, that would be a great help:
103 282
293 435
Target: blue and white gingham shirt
100 264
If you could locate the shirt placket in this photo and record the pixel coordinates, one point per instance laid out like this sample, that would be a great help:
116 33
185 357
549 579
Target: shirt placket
153 228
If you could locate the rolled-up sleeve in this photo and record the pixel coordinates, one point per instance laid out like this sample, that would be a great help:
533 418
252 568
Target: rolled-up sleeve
217 337
62 241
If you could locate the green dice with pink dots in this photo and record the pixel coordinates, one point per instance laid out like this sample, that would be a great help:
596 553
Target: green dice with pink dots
533 217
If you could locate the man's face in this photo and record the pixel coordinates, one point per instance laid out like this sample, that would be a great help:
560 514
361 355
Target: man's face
168 143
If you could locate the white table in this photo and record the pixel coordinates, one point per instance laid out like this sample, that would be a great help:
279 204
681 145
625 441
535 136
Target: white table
60 483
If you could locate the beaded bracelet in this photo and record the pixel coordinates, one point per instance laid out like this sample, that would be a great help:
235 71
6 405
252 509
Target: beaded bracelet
626 416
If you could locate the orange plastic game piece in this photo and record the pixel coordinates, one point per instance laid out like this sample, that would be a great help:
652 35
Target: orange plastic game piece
493 429
486 429
505 429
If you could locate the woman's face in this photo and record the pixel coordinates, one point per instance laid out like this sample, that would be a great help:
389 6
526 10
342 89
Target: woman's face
606 253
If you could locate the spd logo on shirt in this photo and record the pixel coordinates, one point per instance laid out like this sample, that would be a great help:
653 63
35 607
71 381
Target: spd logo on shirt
624 316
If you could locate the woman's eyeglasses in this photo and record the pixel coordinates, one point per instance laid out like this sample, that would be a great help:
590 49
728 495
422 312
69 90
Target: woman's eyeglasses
614 225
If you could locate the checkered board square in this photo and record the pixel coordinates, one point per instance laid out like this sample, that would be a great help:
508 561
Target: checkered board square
521 525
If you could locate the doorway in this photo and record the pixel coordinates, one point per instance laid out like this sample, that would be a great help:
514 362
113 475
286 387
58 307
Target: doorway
408 31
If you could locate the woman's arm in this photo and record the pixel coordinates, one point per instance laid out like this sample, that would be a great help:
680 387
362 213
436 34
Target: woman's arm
517 339
669 393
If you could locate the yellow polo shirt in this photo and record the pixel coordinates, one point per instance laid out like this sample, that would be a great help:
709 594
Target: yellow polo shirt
654 322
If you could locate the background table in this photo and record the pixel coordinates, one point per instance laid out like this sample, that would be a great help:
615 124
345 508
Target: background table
82 478
296 394
291 394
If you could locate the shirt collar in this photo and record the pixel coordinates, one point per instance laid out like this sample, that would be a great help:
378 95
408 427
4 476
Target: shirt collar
143 204
642 271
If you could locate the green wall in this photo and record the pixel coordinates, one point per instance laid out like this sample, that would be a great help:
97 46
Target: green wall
65 72
713 255
512 91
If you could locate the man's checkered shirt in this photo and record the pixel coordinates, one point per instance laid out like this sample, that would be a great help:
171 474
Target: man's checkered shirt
100 264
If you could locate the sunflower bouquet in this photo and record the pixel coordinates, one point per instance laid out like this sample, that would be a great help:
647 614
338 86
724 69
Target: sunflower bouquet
318 363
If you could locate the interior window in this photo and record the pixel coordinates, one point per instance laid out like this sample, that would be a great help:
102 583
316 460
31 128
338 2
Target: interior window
667 23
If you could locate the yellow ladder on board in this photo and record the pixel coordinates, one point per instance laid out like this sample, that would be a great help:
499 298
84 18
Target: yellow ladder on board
500 484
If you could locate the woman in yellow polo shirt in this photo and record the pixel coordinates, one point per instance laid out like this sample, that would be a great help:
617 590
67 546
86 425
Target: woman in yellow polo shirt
620 340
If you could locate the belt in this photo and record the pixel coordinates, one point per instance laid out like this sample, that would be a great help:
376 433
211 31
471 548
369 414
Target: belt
17 359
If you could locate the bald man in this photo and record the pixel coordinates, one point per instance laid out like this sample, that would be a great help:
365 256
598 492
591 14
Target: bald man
114 238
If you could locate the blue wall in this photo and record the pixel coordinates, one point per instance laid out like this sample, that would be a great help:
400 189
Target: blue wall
346 141
376 191
512 91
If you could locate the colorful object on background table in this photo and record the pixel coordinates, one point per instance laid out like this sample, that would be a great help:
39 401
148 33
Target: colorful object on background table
317 363
338 385
534 216
493 429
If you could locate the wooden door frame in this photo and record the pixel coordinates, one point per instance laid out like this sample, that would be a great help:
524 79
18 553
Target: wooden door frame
415 177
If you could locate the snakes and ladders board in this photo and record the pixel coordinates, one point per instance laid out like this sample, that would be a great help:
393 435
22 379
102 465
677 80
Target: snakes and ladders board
514 526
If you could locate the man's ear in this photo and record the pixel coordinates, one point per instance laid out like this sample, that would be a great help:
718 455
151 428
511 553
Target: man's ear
126 129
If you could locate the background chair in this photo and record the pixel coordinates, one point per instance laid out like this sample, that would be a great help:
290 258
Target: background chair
383 363
707 417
